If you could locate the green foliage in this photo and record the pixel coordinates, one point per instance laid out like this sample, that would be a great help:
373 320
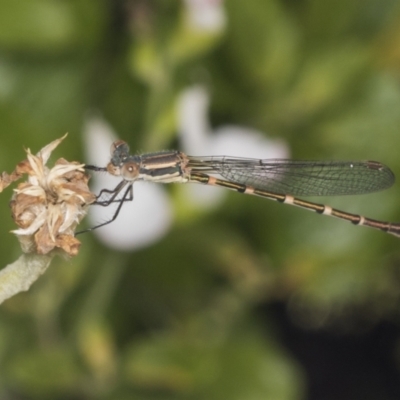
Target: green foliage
177 320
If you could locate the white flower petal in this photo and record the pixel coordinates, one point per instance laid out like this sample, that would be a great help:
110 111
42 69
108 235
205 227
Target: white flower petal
205 15
193 124
140 223
197 139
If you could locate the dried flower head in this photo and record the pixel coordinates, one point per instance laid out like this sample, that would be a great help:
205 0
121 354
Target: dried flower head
50 204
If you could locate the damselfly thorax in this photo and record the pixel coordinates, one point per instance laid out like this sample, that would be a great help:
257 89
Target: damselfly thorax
274 179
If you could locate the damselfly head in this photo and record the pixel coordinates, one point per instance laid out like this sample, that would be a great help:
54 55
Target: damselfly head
128 170
119 152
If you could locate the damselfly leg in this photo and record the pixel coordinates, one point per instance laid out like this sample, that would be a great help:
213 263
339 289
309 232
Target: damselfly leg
112 198
280 180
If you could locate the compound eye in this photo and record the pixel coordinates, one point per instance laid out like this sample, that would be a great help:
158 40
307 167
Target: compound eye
119 147
130 170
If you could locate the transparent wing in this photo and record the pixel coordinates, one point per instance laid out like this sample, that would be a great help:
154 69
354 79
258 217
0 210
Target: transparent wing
299 178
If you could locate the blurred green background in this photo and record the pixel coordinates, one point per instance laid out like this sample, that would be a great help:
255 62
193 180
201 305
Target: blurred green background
252 300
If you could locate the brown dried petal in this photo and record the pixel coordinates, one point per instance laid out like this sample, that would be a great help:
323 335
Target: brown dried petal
48 207
76 183
45 237
70 244
24 209
24 167
80 191
44 243
6 179
46 151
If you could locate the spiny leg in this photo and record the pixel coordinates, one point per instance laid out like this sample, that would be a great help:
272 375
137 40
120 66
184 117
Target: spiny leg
127 196
114 193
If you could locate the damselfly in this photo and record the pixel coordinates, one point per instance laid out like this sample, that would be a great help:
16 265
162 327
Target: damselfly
274 179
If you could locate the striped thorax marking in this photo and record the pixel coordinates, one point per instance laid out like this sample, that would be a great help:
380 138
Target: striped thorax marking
279 180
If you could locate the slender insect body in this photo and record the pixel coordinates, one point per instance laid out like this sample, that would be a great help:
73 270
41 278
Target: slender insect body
280 180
